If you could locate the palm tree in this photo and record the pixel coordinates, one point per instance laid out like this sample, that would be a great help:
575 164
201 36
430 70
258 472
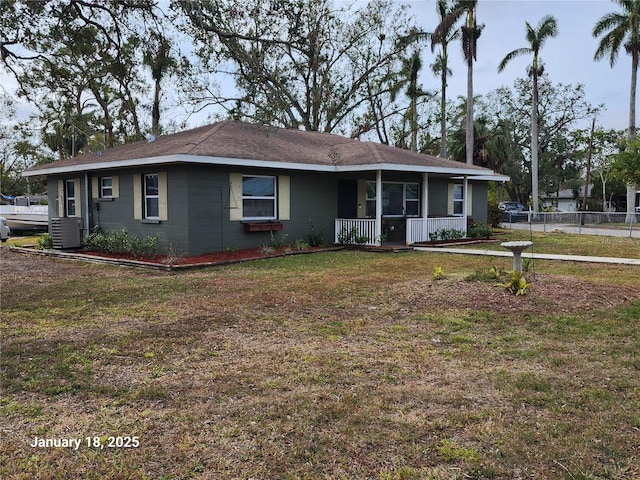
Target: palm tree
470 33
158 58
491 144
407 79
622 29
411 68
547 28
441 67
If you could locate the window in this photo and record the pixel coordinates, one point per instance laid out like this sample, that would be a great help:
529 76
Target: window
106 187
258 198
151 196
371 200
70 198
398 199
458 199
412 199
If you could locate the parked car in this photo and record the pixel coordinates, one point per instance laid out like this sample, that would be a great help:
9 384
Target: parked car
4 229
511 206
513 212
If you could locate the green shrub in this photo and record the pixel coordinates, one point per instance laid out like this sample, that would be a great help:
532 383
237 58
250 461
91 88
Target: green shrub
119 241
45 242
300 244
516 284
315 238
279 241
446 234
494 214
351 237
479 230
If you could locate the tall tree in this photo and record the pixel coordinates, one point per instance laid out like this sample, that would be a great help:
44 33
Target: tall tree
626 164
536 37
470 32
622 29
560 108
441 67
84 56
158 57
491 144
301 64
408 81
605 146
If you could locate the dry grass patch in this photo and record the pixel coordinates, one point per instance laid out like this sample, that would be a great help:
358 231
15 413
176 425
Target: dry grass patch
334 365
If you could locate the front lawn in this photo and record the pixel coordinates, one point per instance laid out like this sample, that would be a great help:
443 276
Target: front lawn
331 365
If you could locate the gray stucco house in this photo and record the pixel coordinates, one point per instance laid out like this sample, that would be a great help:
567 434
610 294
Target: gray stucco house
232 184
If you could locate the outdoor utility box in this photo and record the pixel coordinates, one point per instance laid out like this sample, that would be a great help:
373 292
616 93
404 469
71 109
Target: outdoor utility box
66 232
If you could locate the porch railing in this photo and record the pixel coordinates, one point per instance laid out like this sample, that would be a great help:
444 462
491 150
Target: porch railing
416 227
360 231
363 230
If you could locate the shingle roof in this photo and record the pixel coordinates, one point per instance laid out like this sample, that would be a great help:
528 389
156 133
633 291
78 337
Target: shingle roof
228 140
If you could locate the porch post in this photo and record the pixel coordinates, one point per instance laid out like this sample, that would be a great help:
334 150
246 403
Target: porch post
378 231
425 206
465 199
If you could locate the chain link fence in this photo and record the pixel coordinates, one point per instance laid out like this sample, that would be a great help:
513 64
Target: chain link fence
598 223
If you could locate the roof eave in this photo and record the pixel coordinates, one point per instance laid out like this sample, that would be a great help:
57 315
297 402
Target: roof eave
479 174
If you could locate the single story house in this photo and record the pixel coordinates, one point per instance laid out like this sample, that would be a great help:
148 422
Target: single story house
566 200
233 184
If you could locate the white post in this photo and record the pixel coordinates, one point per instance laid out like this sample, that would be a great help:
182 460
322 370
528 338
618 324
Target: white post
87 203
425 206
378 207
465 199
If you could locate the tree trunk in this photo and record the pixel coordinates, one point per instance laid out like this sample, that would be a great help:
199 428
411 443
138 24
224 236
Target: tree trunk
534 141
631 188
469 119
443 104
155 111
632 96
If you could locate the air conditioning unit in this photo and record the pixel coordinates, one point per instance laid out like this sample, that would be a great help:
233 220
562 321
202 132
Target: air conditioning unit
66 232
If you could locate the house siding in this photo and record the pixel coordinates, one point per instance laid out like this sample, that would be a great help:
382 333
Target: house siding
198 205
312 201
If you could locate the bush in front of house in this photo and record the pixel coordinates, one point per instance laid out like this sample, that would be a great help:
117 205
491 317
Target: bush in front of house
494 214
119 241
479 230
45 242
315 238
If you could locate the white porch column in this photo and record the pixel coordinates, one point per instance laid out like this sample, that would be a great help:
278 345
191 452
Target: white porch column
465 199
425 206
378 207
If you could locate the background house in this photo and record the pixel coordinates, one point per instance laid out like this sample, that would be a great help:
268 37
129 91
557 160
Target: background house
232 184
566 200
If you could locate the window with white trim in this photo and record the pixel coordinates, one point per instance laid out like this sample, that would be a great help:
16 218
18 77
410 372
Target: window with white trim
398 199
259 198
151 196
106 187
458 199
70 198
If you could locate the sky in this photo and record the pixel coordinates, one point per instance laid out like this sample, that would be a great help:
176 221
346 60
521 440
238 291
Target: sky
568 58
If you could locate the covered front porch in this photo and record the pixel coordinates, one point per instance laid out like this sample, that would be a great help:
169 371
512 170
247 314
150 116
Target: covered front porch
403 208
363 230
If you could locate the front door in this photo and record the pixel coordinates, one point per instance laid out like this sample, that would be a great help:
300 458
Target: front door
347 199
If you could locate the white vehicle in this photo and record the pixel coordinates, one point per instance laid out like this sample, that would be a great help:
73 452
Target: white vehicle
4 229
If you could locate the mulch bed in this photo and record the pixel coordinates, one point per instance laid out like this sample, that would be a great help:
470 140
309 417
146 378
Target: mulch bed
165 262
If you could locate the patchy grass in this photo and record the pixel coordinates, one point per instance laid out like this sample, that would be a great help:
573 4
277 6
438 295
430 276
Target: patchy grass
571 244
332 365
